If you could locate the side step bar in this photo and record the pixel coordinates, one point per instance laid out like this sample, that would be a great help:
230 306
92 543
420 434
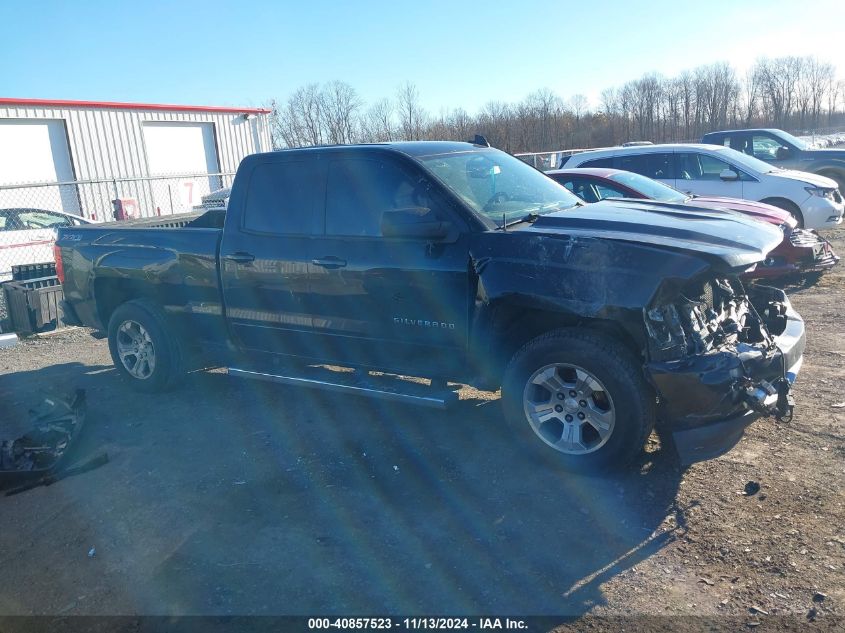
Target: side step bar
434 399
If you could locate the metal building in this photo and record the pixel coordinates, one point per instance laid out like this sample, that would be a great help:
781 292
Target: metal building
81 156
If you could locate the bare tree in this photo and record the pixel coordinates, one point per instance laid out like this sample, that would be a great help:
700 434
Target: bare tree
788 92
300 121
340 106
579 105
378 125
412 116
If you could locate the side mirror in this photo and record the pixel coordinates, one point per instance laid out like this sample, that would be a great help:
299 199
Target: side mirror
415 223
729 174
782 153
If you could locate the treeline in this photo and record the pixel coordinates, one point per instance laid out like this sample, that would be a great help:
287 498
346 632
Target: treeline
793 93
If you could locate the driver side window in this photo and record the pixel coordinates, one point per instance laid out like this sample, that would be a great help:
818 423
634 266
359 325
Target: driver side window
360 190
694 166
765 147
582 188
607 191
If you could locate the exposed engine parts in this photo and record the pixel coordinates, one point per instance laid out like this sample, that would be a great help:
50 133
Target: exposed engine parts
708 315
771 398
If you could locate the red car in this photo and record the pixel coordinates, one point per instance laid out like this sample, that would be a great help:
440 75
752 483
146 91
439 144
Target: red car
802 250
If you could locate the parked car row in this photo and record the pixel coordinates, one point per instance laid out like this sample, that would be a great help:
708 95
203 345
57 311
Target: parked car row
802 251
714 170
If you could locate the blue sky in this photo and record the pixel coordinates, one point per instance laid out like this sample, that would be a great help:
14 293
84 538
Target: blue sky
457 53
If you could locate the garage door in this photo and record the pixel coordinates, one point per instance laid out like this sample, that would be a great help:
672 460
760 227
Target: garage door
183 149
36 150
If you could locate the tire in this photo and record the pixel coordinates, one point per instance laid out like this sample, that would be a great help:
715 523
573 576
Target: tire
614 394
143 348
788 206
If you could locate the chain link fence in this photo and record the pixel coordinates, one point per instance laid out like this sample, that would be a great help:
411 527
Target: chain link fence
546 161
30 213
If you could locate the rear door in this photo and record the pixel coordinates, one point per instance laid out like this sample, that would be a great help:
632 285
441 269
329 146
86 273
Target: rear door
383 301
656 165
264 255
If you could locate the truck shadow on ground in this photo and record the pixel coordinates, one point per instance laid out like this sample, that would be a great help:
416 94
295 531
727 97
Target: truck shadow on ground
234 497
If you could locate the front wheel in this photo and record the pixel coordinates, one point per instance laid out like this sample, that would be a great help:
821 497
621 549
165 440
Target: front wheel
143 348
580 398
788 206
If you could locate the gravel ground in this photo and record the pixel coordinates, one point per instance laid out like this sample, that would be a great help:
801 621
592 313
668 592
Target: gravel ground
230 497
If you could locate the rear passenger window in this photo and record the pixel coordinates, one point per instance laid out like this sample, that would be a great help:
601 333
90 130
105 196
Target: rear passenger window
280 198
606 191
657 165
598 162
360 190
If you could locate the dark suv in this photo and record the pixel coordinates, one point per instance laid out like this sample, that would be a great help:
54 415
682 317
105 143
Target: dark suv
783 150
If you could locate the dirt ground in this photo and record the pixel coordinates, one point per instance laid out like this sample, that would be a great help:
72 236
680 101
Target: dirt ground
231 497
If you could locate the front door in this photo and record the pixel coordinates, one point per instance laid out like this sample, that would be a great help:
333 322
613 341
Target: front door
701 174
264 260
384 301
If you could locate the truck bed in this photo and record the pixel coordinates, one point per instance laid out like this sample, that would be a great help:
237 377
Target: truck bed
171 260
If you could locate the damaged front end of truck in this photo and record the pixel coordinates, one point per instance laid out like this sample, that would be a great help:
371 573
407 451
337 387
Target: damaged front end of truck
720 356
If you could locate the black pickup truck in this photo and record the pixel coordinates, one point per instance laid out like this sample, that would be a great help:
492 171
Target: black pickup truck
454 262
783 150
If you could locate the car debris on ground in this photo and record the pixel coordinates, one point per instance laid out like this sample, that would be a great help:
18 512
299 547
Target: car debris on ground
36 458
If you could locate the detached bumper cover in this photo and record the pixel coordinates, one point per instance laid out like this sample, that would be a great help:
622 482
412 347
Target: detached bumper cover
703 398
804 251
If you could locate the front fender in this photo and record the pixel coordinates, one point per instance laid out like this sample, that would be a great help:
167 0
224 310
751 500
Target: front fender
568 281
827 164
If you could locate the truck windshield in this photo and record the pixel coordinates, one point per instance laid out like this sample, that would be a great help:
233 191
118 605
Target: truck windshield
499 186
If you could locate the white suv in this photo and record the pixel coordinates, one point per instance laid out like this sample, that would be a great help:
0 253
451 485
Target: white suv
714 170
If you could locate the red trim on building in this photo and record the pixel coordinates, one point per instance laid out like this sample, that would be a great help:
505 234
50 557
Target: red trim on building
64 103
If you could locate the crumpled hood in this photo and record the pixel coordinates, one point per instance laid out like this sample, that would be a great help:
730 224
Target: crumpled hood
735 240
757 210
804 176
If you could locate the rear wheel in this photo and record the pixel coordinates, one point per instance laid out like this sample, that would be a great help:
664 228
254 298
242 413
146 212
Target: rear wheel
789 206
580 399
142 347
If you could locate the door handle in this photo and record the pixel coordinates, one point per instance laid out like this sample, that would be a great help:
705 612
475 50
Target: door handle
241 258
329 262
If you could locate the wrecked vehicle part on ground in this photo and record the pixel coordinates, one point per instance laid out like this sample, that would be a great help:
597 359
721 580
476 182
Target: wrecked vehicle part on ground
469 266
56 422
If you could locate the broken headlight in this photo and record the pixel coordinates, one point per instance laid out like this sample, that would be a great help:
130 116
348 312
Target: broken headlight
821 192
667 340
